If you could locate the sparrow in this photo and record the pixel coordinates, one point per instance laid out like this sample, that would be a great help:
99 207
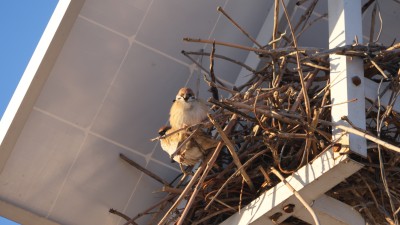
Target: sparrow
187 110
192 151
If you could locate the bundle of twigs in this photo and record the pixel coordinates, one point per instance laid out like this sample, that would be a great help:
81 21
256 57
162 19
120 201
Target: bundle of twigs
277 122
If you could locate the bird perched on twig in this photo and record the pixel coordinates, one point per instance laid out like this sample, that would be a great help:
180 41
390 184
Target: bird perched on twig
187 110
194 144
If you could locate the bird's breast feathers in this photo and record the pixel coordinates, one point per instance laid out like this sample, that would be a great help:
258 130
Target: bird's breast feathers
187 113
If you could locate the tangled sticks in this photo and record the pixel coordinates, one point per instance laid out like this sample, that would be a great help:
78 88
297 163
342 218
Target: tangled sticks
264 124
281 118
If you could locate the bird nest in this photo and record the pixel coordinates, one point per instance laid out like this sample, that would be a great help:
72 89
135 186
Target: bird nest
277 122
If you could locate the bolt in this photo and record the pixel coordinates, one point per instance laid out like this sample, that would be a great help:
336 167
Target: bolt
337 147
356 80
275 216
288 208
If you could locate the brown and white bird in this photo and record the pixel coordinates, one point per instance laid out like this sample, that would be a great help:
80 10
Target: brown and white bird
192 151
187 110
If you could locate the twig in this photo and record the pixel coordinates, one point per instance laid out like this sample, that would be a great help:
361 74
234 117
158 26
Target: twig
233 175
361 134
303 86
237 25
116 212
208 165
275 29
232 150
222 57
166 199
144 170
274 52
184 193
211 215
200 66
181 145
213 89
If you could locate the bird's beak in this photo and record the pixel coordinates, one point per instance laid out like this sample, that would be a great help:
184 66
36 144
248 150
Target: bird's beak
186 97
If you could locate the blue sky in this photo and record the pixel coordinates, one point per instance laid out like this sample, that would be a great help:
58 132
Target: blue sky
4 221
22 23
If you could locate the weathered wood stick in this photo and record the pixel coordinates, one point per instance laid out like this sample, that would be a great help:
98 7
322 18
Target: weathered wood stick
213 89
237 25
275 52
209 164
234 175
171 190
361 134
232 150
221 57
144 170
118 213
299 69
168 198
183 194
217 212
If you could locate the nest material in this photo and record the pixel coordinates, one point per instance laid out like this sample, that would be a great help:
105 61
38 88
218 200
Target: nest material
279 121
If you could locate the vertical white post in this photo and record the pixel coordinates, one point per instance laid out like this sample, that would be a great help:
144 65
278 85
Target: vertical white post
347 75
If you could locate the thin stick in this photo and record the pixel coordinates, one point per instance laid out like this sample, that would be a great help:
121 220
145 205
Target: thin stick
234 175
306 86
303 86
232 150
276 52
178 149
118 213
211 215
237 25
144 170
208 164
200 66
377 66
283 116
276 16
183 194
168 198
298 196
222 57
361 134
213 89
176 131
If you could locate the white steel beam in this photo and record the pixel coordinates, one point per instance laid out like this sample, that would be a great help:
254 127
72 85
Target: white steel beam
311 181
347 73
331 211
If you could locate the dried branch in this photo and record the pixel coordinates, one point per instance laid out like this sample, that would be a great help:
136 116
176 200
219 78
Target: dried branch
237 25
116 212
232 150
144 170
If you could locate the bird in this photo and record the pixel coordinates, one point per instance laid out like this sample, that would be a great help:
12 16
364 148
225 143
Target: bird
187 110
192 151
